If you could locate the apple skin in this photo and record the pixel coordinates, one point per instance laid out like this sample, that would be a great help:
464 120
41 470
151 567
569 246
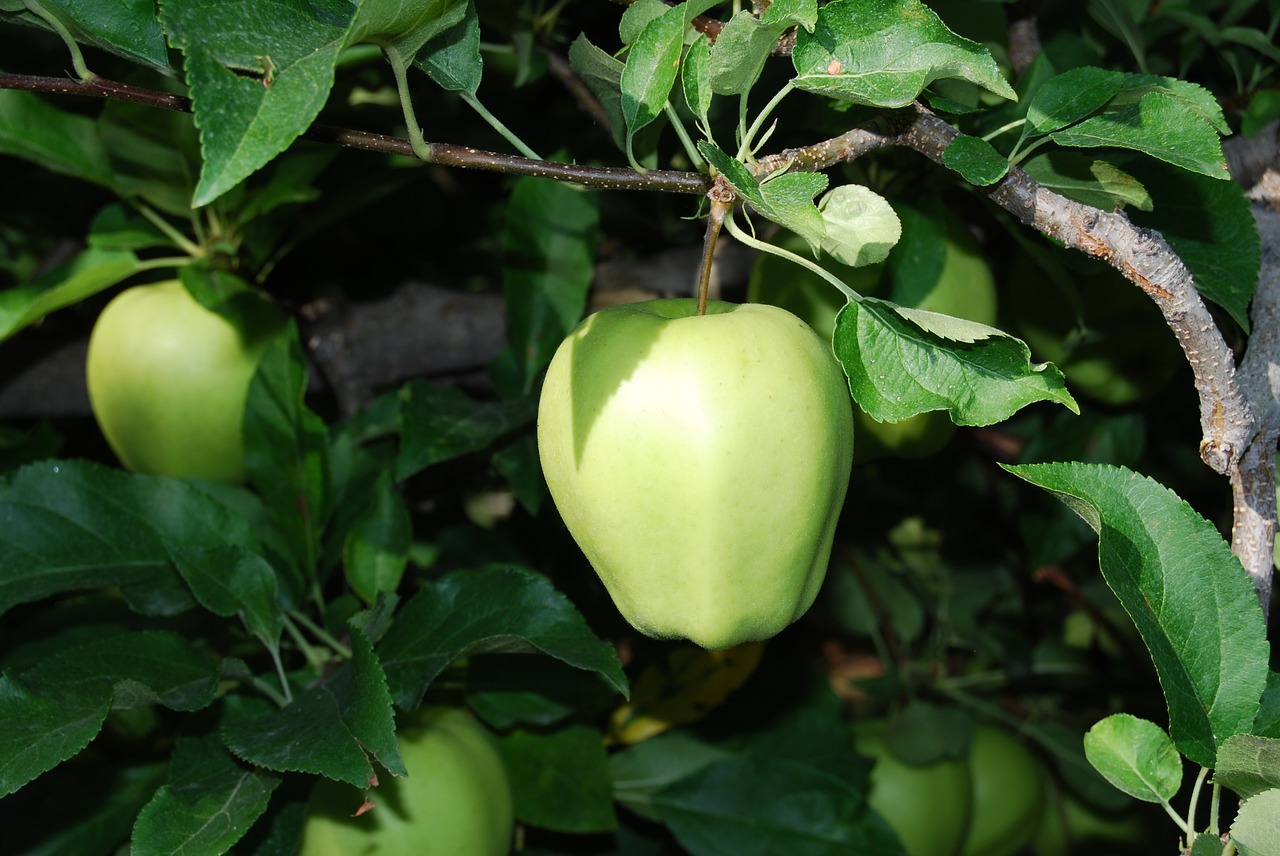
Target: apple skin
700 462
1008 793
456 800
168 379
928 806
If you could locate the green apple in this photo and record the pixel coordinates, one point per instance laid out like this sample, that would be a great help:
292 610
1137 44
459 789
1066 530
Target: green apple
456 800
1008 793
168 379
700 462
1070 826
961 285
928 805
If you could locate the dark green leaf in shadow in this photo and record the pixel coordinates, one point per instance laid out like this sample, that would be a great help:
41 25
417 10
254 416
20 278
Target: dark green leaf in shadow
560 779
439 424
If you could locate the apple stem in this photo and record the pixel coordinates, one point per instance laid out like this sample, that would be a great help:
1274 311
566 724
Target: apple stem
722 201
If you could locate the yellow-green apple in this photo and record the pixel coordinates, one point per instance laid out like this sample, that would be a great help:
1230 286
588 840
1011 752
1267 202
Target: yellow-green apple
700 462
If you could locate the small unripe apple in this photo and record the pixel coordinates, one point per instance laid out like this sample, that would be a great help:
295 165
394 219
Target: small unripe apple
456 800
1008 793
700 462
168 379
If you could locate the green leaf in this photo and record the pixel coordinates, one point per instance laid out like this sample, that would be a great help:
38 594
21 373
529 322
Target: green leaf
87 273
66 143
860 226
644 769
509 689
406 25
637 16
126 28
695 77
650 72
117 228
976 160
258 75
1256 830
901 362
1089 180
286 448
505 609
740 52
332 729
377 547
1248 764
208 805
560 780
71 525
1192 602
1136 756
753 806
1171 120
55 708
1267 722
1069 97
785 199
440 424
1209 224
883 53
603 76
452 58
549 246
231 581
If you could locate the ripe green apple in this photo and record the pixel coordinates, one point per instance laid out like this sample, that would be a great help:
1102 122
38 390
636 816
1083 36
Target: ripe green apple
168 379
927 805
456 800
1008 793
700 462
963 287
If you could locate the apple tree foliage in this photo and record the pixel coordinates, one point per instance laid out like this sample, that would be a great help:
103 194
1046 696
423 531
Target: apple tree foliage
181 661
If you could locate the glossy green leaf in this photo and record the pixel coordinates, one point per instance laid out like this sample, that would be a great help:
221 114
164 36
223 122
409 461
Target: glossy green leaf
70 525
495 609
234 582
405 24
883 53
786 199
1171 120
1089 180
68 143
452 58
1067 98
377 547
87 273
1136 756
976 160
52 710
440 424
651 70
126 28
901 362
560 779
549 247
1193 604
208 804
258 75
757 805
333 729
746 42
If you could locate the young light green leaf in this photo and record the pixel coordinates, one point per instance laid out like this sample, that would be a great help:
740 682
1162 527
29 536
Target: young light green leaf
897 369
1248 764
377 547
258 75
695 77
492 609
740 52
859 224
1089 180
786 199
1136 756
560 779
760 804
68 143
73 525
1190 599
1256 830
650 72
883 53
549 251
439 424
976 160
208 804
1171 120
1070 97
85 274
452 58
